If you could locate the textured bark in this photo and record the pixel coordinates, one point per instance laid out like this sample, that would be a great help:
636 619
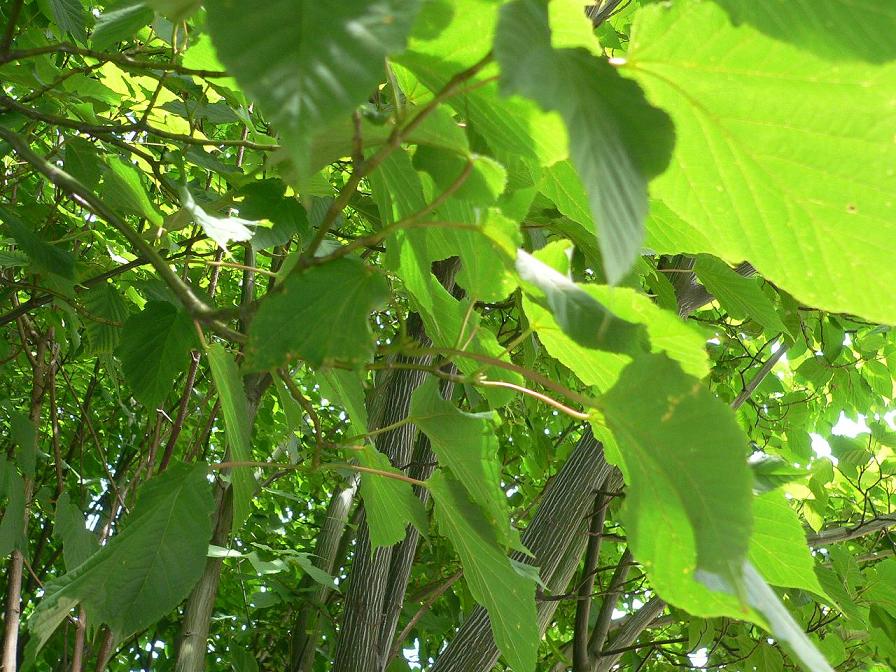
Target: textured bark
581 661
630 632
422 467
556 537
193 640
359 647
326 553
692 295
201 603
602 627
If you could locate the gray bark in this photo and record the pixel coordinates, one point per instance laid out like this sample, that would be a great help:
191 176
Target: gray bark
361 646
556 537
305 632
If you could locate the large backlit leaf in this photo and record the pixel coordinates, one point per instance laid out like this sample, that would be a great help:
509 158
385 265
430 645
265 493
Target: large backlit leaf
778 545
146 569
834 29
441 47
781 174
617 141
676 437
318 315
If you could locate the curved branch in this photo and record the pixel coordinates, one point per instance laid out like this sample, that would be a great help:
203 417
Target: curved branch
84 197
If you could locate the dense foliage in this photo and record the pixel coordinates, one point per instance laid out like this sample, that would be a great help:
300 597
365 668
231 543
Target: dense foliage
455 335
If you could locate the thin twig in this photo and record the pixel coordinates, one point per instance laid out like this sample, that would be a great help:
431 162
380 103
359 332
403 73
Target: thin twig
393 142
420 613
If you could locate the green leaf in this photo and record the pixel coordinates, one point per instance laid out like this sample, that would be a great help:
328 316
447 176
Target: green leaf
606 117
508 597
78 543
24 434
69 15
346 389
123 189
45 257
675 435
741 297
485 181
449 322
778 546
441 47
220 229
12 259
308 63
120 22
108 307
237 428
783 627
242 660
154 347
816 370
390 504
265 200
771 472
667 333
781 174
82 161
579 315
319 315
176 10
153 563
466 444
838 30
12 522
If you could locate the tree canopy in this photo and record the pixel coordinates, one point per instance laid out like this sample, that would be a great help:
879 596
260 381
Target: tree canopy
453 335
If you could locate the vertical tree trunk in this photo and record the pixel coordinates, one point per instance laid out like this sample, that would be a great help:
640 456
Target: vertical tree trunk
198 613
360 645
193 640
305 632
422 467
41 373
556 537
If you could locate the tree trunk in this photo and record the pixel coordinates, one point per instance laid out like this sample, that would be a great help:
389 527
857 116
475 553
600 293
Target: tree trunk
365 636
305 632
556 537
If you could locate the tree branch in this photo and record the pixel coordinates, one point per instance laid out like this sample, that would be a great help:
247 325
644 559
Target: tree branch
84 197
581 660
